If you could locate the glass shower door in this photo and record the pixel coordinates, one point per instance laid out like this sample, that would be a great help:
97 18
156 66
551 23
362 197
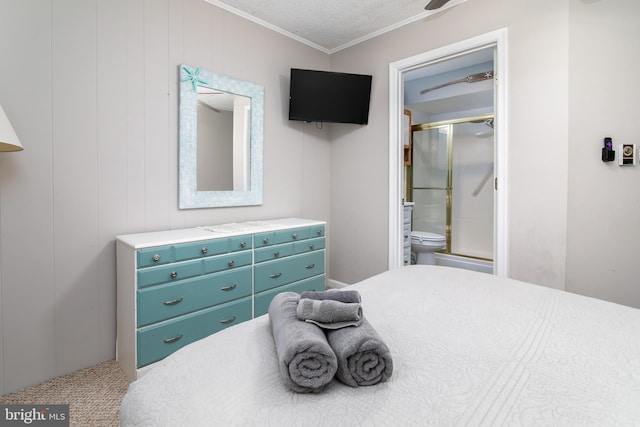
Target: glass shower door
452 184
472 189
431 191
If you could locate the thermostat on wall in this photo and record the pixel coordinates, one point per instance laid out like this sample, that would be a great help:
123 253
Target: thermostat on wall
627 154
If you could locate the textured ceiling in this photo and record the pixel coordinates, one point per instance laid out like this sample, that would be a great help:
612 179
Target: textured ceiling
331 25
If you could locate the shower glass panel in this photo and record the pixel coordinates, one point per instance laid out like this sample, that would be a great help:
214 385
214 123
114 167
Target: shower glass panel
430 158
472 190
430 211
430 177
452 184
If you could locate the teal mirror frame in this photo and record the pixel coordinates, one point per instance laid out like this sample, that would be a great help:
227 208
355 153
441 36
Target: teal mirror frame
188 195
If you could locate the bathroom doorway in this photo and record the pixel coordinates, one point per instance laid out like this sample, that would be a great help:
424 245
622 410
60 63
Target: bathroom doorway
434 65
450 184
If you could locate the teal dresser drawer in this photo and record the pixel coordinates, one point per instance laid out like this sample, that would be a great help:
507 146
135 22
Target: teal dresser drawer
201 249
261 240
285 236
168 273
291 235
155 256
270 274
263 299
284 250
316 231
163 302
207 248
158 341
240 243
308 245
227 262
273 252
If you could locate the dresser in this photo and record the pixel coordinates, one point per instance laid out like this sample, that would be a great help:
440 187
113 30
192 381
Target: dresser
178 286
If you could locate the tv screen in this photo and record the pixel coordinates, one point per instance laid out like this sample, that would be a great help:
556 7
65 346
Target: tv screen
325 96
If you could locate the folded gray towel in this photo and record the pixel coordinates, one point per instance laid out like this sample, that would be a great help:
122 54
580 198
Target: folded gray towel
329 314
333 294
306 361
363 358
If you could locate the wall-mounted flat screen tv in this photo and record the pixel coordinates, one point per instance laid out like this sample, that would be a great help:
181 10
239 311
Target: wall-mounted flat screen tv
325 96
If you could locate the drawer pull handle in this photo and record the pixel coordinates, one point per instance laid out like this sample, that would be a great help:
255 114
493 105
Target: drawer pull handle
319 232
172 340
156 258
229 320
228 288
294 235
173 301
231 263
243 244
204 251
309 266
275 276
312 247
276 254
266 241
174 274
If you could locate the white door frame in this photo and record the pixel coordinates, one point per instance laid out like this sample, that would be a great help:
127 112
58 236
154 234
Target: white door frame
498 40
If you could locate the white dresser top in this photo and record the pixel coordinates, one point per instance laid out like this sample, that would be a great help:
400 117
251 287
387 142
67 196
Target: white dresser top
169 237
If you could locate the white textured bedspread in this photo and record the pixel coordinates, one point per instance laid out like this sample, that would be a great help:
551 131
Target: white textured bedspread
468 349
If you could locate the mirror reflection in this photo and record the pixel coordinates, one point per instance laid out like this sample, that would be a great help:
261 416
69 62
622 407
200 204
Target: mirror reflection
223 135
220 146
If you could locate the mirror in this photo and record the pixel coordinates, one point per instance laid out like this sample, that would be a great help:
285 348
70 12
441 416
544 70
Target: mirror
223 135
220 145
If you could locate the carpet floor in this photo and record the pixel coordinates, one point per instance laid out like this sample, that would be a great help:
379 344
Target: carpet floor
93 394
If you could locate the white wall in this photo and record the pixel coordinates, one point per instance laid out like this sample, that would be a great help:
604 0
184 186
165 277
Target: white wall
573 220
604 199
91 88
538 37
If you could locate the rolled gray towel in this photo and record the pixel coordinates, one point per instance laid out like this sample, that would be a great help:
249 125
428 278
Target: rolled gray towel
363 358
333 294
306 361
330 314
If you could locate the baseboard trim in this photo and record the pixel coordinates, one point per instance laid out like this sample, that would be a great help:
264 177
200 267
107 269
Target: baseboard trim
334 284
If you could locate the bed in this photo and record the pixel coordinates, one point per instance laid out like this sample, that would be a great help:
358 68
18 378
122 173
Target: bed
468 349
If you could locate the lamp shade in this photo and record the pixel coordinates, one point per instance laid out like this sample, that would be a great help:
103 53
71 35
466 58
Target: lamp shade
8 139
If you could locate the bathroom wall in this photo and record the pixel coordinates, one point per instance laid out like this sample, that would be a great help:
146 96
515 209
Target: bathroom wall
91 88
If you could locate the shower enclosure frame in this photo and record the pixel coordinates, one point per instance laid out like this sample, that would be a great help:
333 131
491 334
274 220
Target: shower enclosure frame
449 185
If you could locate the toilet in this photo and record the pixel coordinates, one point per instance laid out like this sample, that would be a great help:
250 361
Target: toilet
424 244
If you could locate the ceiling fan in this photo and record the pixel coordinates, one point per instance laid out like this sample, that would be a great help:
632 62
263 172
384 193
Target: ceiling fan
436 4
